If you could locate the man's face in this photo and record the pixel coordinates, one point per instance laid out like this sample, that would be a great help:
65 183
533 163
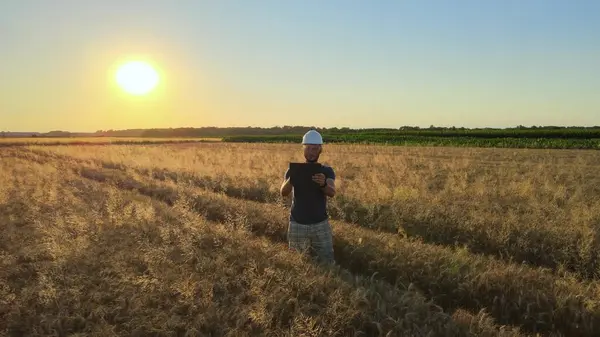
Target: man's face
312 152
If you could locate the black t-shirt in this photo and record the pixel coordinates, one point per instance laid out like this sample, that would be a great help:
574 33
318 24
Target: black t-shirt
309 206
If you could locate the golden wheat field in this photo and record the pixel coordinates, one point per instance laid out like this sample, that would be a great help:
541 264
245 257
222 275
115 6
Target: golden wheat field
190 240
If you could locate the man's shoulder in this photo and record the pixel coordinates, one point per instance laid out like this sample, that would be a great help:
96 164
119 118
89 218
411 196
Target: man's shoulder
329 169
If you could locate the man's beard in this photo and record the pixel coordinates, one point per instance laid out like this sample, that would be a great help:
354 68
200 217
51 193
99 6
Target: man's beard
314 160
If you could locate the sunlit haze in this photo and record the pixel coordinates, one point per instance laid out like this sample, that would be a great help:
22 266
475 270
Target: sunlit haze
326 63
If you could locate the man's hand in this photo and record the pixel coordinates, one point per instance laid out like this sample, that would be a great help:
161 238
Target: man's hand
326 185
319 178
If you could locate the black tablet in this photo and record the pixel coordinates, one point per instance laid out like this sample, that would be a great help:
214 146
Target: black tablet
301 173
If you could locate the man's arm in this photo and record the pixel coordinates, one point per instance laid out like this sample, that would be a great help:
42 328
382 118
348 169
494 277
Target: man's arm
329 188
286 186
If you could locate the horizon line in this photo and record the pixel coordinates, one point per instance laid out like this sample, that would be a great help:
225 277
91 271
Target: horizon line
309 127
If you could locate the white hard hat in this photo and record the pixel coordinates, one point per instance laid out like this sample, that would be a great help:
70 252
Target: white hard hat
312 137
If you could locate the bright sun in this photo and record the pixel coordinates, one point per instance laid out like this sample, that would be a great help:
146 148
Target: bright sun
137 77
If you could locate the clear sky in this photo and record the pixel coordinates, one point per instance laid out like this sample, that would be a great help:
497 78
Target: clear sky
328 63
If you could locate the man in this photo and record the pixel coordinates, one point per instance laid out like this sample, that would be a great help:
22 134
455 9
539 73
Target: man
309 228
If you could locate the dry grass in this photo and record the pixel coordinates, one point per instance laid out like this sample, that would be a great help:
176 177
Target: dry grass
513 294
84 252
424 213
539 207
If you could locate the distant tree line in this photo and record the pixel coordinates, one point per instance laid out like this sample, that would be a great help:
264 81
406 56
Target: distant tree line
433 131
342 134
208 132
